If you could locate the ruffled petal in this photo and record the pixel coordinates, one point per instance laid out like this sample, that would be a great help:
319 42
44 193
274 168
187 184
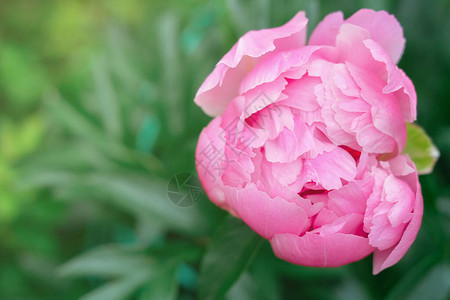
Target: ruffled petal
326 31
384 29
222 85
385 258
351 198
331 167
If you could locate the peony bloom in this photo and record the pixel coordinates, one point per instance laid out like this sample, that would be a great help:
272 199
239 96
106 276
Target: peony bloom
306 140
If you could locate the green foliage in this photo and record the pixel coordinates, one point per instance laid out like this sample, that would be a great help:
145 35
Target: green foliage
231 250
97 116
420 149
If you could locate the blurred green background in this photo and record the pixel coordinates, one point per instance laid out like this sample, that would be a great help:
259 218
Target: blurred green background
96 115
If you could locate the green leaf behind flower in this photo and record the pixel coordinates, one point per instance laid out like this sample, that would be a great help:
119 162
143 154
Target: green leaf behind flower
231 250
420 149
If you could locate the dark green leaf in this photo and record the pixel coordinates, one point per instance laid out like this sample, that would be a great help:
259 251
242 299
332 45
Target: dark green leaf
436 282
105 97
410 279
106 261
119 289
163 286
231 250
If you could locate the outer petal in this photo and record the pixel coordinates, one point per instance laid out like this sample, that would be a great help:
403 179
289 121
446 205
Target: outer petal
210 148
384 29
222 84
386 258
277 63
397 82
316 251
268 216
327 30
386 112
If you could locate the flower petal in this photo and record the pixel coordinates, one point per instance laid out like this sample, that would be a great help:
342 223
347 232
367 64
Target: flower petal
330 167
384 29
386 258
325 33
316 251
351 198
222 85
268 216
210 148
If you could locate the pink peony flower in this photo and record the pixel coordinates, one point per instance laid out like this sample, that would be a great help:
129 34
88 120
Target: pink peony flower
306 140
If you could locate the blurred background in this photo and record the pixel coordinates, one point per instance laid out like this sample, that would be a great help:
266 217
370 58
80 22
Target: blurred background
97 115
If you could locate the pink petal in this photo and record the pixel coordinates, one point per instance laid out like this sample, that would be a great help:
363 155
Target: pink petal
384 29
371 139
256 43
330 167
316 251
237 166
386 258
210 148
325 216
406 95
279 179
289 145
349 44
382 235
272 119
222 84
397 82
268 216
332 128
349 224
300 94
263 95
326 31
351 198
392 213
398 192
400 165
275 64
283 148
386 113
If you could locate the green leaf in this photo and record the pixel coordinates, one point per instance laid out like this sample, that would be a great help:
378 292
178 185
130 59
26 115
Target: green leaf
78 123
251 285
231 250
119 289
420 149
350 288
164 286
22 76
106 261
148 134
415 273
172 68
436 282
20 138
105 97
131 270
145 195
244 289
187 277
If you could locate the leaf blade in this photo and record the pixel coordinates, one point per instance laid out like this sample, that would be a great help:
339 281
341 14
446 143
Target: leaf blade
232 248
420 149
